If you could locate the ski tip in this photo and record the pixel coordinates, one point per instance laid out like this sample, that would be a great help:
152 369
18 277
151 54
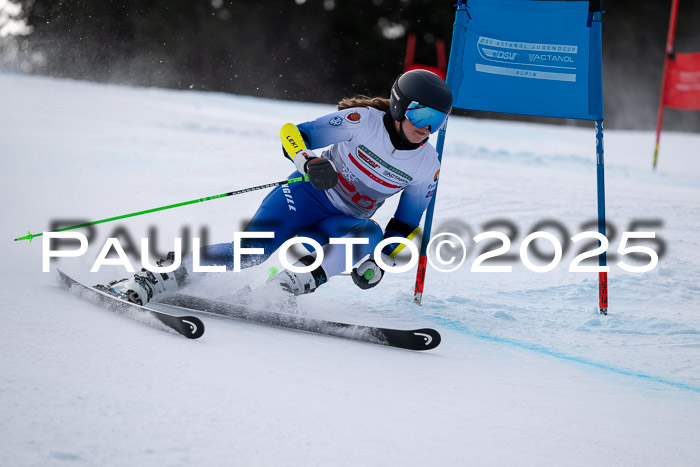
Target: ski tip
195 325
416 339
63 278
426 338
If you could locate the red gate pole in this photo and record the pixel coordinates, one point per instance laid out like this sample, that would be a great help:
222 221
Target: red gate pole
667 59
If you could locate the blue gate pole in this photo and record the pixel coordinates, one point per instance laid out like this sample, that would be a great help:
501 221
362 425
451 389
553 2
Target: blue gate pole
427 227
454 69
602 258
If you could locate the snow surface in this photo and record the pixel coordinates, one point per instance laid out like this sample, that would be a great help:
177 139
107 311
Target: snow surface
528 372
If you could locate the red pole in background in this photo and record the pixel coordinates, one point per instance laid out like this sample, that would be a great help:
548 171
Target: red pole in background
667 59
410 64
410 51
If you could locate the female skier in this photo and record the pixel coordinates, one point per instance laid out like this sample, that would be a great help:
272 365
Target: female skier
378 147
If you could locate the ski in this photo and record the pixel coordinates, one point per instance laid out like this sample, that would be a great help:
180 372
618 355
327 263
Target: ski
416 339
189 326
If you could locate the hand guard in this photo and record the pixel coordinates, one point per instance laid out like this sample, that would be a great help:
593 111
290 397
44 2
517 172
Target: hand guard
322 173
367 275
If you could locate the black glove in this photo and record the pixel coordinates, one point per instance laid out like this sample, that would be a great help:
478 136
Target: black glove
322 173
367 275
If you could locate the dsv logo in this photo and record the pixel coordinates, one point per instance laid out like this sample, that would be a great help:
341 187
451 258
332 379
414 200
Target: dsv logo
490 53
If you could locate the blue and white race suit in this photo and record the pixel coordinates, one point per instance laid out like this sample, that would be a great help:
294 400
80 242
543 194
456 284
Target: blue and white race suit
370 170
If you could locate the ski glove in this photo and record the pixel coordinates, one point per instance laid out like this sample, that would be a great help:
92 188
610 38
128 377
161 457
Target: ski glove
368 274
322 173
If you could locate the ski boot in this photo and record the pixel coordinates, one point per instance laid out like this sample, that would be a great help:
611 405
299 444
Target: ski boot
296 283
146 284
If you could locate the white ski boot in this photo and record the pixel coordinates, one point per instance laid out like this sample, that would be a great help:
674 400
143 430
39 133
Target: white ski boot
146 284
298 283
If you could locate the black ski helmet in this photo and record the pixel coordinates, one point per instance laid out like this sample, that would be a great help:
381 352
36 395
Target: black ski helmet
422 86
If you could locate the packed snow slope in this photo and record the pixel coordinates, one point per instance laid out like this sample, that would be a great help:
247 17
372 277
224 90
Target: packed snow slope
528 373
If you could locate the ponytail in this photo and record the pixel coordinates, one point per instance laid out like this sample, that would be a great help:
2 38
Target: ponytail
378 103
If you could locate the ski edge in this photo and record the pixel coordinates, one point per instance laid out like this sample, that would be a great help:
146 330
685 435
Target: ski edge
414 339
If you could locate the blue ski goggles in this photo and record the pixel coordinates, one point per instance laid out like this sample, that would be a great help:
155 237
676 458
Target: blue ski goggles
421 116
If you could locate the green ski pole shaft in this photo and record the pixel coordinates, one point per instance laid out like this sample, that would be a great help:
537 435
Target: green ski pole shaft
30 236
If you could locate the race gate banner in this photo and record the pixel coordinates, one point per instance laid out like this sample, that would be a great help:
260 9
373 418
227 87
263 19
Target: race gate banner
682 90
528 57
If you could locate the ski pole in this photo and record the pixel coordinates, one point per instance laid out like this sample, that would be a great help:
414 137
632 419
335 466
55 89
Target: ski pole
305 178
